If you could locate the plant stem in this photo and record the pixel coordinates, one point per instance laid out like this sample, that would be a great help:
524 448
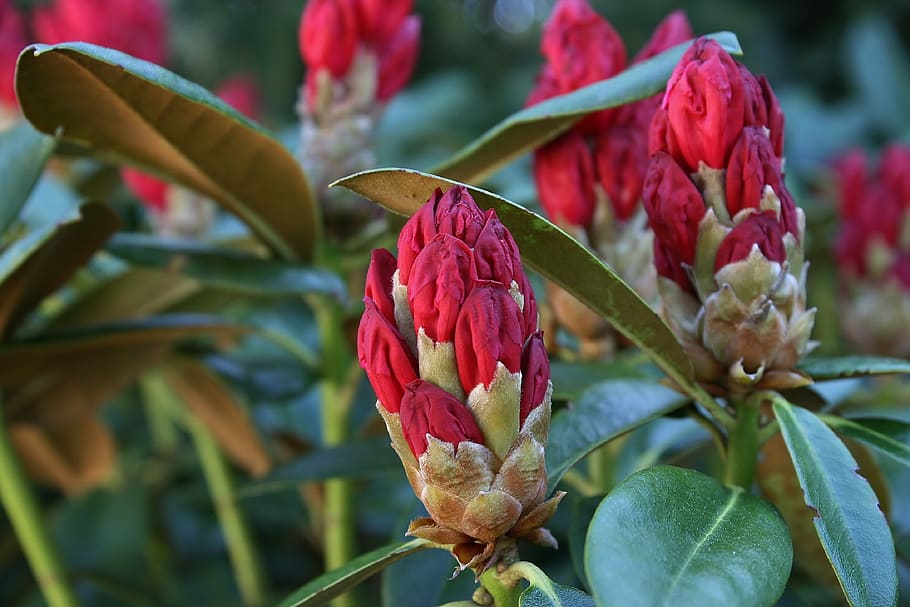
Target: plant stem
25 517
742 447
237 537
155 396
602 464
340 375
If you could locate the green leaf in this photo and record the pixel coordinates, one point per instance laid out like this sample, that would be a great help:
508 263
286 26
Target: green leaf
554 595
821 368
554 254
670 536
890 436
359 459
582 513
225 268
23 154
335 583
133 111
601 414
849 521
572 378
41 262
529 128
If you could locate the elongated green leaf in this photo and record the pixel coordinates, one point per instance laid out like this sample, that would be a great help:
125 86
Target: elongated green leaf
601 414
890 436
554 254
669 536
334 583
572 378
821 368
356 459
39 263
133 111
525 130
849 522
225 268
23 154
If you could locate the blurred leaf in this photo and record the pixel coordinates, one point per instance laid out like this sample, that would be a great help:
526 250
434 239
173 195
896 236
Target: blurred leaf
354 459
555 255
852 366
417 580
529 128
225 268
572 378
890 436
23 154
878 66
334 583
671 536
73 454
216 408
582 513
36 265
848 519
134 111
601 414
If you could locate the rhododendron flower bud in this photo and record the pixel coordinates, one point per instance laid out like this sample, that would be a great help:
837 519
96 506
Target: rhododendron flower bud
672 30
12 41
328 35
380 20
873 250
398 58
728 235
136 27
564 172
462 377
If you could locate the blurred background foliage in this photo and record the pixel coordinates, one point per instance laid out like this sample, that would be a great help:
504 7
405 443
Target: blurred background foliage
149 536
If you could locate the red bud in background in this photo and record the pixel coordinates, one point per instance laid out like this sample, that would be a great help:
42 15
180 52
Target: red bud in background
241 93
151 191
621 155
564 173
380 20
329 35
398 58
12 41
672 30
428 409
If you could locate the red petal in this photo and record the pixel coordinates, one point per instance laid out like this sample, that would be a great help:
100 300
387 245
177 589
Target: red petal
428 409
384 356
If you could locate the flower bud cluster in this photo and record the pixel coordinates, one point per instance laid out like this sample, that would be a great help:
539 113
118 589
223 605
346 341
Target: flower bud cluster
873 250
449 341
589 179
727 233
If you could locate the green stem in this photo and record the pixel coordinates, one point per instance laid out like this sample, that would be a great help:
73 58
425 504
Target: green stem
602 464
237 537
742 447
155 395
25 517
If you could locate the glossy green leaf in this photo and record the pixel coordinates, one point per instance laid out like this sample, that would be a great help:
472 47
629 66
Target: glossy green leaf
225 268
890 436
132 111
601 414
849 521
355 459
554 595
42 261
529 128
334 583
670 536
23 154
554 254
821 368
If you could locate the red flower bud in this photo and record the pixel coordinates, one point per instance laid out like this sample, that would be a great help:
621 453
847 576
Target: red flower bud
705 106
488 331
755 113
535 375
384 356
241 93
150 191
12 40
428 409
894 171
672 30
901 270
441 278
672 268
328 35
775 123
546 86
379 282
761 229
564 172
674 206
753 165
136 27
622 160
380 20
398 58
495 252
851 181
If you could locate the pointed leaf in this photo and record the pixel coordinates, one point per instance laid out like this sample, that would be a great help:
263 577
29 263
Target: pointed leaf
849 522
136 112
554 254
601 414
529 128
38 264
334 583
889 436
554 595
821 368
23 154
669 536
225 268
